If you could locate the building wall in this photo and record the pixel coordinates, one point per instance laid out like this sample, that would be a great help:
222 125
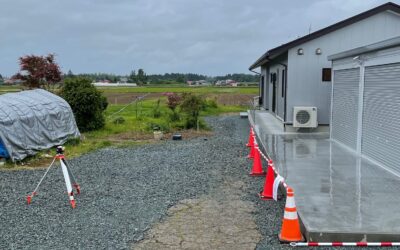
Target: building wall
305 85
377 123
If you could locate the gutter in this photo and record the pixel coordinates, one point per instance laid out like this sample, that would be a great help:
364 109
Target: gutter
259 89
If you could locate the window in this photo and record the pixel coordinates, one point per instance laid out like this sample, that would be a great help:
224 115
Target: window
326 74
283 83
273 77
261 98
277 78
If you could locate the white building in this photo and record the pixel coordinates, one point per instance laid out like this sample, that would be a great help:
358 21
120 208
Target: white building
298 73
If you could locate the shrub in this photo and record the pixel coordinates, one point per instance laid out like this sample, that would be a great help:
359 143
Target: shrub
119 120
87 103
192 105
72 142
158 126
156 110
174 116
211 103
173 100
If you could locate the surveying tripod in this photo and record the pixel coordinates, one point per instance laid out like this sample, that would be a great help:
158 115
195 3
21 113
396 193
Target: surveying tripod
68 177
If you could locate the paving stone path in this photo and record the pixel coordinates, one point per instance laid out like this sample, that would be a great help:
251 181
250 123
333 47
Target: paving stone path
220 220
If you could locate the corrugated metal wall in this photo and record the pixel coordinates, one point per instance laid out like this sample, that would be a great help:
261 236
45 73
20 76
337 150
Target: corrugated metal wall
345 106
381 115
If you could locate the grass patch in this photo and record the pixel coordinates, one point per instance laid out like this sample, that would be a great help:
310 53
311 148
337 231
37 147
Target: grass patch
135 127
9 89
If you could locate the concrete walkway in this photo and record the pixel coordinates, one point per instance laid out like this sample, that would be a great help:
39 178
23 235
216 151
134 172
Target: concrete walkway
339 196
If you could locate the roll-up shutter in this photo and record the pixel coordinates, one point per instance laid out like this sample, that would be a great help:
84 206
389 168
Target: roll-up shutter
381 115
345 106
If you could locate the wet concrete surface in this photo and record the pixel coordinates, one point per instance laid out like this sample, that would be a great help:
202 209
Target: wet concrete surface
339 195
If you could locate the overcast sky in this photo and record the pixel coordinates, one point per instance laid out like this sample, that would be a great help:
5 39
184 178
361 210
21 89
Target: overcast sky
210 37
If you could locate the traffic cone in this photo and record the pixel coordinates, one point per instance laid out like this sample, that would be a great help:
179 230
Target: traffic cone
251 138
252 149
257 163
267 193
290 231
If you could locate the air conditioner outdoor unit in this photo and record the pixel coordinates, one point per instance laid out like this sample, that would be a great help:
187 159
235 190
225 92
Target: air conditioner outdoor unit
305 117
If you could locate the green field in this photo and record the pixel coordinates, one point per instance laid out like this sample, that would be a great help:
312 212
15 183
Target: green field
180 89
9 89
161 89
139 120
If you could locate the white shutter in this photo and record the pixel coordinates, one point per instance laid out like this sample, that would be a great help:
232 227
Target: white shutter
381 115
345 106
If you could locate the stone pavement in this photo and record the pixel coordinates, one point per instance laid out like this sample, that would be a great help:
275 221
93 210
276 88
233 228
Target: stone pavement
220 220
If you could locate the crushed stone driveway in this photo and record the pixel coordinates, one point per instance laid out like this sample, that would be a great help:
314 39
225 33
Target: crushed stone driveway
190 194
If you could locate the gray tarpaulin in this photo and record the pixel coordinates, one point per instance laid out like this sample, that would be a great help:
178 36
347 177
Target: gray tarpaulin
34 120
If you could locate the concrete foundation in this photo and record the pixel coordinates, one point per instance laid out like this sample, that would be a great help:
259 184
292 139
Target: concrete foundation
340 196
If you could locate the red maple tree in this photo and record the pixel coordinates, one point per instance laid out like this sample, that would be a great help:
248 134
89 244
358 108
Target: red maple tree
38 71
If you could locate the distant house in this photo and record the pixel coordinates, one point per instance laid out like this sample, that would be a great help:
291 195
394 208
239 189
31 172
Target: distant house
298 73
231 83
123 80
220 83
199 83
10 81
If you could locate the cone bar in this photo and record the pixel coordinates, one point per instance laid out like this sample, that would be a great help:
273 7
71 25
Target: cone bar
290 231
344 244
68 176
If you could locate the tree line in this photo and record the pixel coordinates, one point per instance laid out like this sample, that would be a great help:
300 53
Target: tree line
141 77
43 71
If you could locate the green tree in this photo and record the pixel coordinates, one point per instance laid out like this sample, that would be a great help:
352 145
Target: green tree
87 103
132 76
141 77
1 79
70 74
180 78
191 105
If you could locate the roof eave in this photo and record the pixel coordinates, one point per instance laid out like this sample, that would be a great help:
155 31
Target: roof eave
285 47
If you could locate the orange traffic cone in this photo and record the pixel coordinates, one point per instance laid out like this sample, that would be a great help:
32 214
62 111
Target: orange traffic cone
267 193
252 148
251 138
290 226
257 163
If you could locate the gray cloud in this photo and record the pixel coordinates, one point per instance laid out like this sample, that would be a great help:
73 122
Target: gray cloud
201 36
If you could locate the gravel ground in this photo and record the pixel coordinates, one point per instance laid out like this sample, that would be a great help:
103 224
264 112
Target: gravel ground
127 191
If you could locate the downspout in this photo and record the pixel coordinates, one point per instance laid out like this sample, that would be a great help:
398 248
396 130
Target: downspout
259 89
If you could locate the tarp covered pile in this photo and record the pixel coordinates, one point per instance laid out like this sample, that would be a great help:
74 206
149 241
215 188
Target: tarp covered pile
34 120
